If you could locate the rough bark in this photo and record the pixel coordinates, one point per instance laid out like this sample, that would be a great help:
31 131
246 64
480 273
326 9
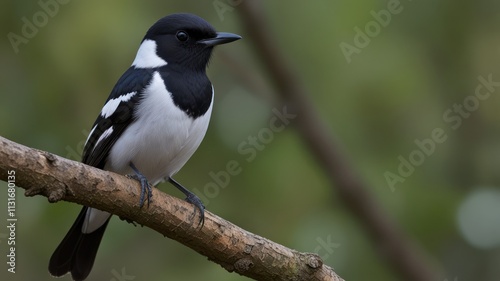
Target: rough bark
235 249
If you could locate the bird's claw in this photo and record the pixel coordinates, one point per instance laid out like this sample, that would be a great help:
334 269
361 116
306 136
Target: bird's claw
145 186
196 201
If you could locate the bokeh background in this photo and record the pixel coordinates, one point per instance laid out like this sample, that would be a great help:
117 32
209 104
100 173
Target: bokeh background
395 90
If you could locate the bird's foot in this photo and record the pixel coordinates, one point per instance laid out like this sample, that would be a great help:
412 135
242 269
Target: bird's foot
193 199
196 201
145 186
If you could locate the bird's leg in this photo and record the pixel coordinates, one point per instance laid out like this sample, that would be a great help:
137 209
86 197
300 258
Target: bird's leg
145 186
191 198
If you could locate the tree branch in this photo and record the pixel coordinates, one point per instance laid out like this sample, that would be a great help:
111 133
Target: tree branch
235 249
400 253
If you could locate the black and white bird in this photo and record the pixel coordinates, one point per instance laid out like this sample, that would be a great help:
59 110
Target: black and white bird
151 124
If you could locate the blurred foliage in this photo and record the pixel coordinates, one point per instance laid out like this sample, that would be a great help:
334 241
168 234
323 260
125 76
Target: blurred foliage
394 91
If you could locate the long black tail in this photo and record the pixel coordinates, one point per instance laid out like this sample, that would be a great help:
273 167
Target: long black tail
77 251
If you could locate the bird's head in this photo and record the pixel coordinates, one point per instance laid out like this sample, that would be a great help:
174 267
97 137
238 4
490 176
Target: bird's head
184 40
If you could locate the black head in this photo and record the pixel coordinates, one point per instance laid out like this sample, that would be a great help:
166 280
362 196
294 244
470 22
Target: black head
183 39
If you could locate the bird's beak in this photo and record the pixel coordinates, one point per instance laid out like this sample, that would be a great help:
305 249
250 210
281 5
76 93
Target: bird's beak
221 38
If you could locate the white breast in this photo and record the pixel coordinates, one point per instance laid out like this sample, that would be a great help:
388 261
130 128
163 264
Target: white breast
161 140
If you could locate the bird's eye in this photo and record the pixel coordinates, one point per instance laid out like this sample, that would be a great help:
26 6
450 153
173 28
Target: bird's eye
182 36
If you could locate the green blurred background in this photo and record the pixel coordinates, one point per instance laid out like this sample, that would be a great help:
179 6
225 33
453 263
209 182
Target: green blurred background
393 92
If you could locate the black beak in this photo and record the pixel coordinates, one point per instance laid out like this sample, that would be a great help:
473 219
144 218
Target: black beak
221 38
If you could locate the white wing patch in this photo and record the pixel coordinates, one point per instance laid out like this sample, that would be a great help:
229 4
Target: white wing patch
90 134
146 56
104 135
109 108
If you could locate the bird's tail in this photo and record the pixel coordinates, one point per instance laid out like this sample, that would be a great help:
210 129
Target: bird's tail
77 251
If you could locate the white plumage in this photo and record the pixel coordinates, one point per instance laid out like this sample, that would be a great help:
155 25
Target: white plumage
146 56
145 129
109 108
159 142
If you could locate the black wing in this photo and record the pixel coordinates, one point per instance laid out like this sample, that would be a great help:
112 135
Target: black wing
107 129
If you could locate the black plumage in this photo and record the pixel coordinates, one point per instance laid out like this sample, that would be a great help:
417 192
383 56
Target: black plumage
135 134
